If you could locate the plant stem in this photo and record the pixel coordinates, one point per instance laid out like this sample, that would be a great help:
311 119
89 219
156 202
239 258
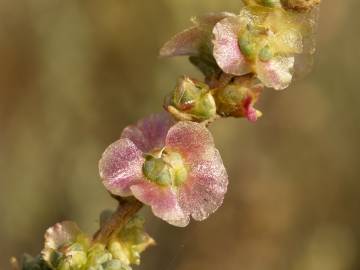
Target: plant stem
126 209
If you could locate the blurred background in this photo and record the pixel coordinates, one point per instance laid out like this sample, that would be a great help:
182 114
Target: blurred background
74 73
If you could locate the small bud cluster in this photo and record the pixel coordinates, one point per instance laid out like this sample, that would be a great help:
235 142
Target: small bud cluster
169 161
67 248
239 56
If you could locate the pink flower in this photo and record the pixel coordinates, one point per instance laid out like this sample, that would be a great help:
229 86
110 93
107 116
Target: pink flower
262 40
259 40
172 167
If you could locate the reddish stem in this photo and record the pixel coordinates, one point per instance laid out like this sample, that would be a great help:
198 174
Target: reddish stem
126 209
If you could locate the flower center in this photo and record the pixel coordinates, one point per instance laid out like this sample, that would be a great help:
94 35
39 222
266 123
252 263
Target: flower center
165 168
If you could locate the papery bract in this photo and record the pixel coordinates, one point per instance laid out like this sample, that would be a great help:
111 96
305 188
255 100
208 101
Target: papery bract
181 177
190 41
196 43
65 246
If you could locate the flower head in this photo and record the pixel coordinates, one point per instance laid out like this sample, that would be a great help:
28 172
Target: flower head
264 39
130 242
191 100
180 174
261 40
238 99
67 248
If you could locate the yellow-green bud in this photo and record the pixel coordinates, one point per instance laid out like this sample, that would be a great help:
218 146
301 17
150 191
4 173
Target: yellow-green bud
115 265
191 100
237 99
166 170
265 54
247 47
74 257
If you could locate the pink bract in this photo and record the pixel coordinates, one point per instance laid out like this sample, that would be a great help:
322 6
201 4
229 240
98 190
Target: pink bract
276 73
190 41
226 47
198 196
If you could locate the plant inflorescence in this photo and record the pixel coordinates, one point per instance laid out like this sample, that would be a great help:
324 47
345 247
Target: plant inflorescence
168 161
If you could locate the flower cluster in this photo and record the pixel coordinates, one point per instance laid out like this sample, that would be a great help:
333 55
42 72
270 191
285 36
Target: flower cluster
67 248
266 43
169 161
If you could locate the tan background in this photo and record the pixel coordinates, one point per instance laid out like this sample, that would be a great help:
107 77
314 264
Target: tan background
74 73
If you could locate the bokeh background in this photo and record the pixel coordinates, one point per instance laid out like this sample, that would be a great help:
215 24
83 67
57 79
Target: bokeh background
74 73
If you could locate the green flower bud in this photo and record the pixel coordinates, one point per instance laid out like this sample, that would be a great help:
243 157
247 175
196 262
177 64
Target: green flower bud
165 170
247 46
116 265
237 99
119 251
73 258
191 100
98 255
130 242
157 171
177 164
265 54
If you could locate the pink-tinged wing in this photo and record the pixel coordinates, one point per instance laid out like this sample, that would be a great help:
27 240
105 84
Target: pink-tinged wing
212 18
204 191
251 113
192 140
226 47
163 202
121 166
61 234
186 42
304 61
276 73
149 133
189 41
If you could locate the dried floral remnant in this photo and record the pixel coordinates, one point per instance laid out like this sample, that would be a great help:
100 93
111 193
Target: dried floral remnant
65 247
300 5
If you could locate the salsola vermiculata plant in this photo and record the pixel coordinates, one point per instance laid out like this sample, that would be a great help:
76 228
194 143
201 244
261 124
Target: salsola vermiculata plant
168 161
